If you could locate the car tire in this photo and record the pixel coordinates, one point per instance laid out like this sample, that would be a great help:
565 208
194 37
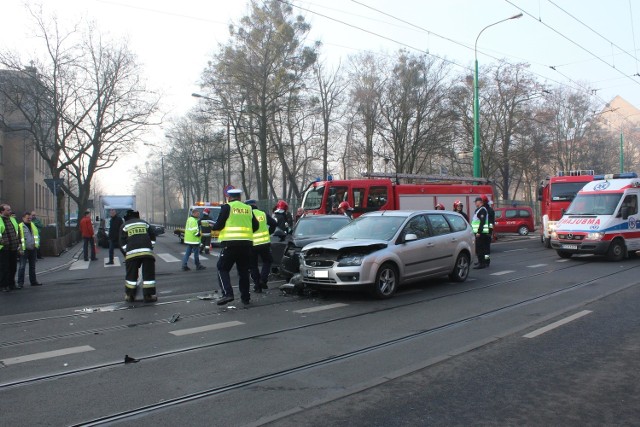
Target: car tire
386 281
563 254
617 250
461 268
523 230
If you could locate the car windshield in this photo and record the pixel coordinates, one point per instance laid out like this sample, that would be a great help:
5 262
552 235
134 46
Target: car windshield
594 204
214 211
565 191
319 227
371 227
313 198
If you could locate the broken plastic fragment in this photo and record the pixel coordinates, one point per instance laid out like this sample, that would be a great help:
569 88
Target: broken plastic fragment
174 318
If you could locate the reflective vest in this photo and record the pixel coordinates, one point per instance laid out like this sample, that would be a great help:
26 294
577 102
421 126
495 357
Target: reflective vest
261 237
475 222
2 228
239 224
191 236
34 231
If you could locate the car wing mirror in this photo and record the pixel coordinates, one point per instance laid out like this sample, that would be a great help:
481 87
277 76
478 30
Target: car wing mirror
410 237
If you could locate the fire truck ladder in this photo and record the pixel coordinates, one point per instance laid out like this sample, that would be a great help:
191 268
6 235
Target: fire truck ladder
412 176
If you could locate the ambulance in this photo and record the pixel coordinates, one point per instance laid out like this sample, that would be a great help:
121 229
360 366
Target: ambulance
602 219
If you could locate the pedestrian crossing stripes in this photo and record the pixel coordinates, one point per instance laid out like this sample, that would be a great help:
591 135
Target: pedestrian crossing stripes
117 262
46 355
168 258
205 328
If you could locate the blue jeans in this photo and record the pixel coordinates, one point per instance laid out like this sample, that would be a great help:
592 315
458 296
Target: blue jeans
29 256
88 241
195 249
112 245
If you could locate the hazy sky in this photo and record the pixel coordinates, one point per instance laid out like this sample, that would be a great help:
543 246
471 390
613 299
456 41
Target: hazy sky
588 42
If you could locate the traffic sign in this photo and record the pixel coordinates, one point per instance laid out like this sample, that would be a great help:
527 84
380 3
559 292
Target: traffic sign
54 184
227 188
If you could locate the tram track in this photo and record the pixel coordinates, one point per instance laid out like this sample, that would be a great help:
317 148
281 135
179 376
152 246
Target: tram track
174 352
143 410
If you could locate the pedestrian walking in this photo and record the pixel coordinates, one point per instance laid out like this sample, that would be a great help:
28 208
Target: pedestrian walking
88 238
137 239
192 240
36 221
261 250
236 224
115 224
205 231
9 243
480 226
29 244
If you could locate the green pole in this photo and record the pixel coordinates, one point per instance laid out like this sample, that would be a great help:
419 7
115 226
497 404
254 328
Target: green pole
476 125
621 152
476 102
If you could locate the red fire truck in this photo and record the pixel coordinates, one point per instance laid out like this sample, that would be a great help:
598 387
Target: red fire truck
555 195
379 192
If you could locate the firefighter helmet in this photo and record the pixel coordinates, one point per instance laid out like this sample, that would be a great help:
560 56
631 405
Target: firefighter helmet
282 205
439 207
344 205
485 199
457 204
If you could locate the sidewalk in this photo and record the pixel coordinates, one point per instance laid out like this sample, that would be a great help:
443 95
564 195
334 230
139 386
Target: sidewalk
54 263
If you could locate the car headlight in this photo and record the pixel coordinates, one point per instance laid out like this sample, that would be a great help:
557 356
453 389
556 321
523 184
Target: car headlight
594 236
351 261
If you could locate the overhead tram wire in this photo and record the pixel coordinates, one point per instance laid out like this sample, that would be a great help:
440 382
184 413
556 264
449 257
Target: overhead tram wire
580 87
571 41
374 34
574 85
634 57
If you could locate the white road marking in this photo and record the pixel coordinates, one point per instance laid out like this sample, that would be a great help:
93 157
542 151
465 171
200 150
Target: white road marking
514 250
536 265
80 265
556 324
563 260
500 273
168 258
116 262
321 308
46 355
206 328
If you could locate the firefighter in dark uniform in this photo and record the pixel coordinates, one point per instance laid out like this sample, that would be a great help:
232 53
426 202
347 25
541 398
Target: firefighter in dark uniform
237 224
137 239
261 247
205 231
480 227
492 223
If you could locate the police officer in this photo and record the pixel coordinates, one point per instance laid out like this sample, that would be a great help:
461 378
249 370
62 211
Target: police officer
205 231
137 239
480 226
192 241
237 224
261 247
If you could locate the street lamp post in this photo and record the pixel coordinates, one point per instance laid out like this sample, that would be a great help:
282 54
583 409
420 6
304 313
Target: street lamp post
164 191
476 103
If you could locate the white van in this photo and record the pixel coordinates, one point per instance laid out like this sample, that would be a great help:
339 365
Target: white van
602 219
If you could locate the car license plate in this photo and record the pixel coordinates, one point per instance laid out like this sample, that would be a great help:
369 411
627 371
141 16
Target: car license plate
569 246
319 274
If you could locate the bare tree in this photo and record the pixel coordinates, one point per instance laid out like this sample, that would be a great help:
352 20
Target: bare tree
83 102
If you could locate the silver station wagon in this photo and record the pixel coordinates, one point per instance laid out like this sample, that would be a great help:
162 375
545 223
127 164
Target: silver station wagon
382 250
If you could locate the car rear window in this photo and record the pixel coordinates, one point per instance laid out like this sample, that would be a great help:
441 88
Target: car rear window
457 222
524 213
439 225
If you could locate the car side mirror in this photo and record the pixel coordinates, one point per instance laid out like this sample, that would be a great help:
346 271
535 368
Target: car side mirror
410 237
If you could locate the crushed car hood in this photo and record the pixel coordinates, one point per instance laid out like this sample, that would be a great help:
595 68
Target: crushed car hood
337 245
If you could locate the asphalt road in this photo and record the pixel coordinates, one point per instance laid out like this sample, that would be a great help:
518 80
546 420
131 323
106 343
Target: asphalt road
438 353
